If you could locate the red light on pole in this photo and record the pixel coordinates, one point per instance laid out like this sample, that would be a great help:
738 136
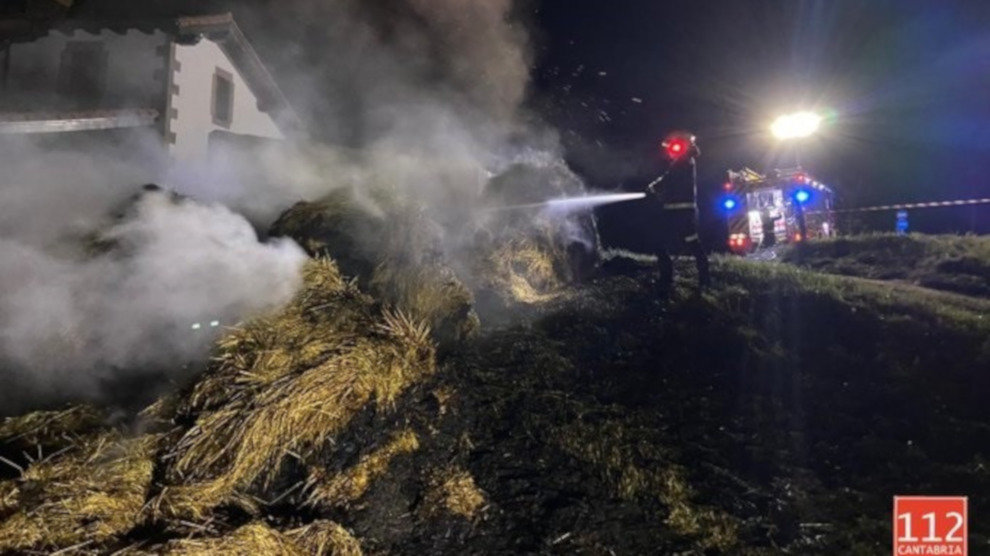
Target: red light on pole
678 145
676 148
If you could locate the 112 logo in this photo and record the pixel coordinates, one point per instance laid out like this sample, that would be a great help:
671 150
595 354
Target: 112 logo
930 525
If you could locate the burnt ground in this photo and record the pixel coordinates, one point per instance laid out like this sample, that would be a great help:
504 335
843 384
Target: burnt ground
789 405
778 412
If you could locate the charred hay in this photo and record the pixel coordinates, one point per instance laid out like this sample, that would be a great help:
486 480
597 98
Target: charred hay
281 388
352 483
395 252
285 388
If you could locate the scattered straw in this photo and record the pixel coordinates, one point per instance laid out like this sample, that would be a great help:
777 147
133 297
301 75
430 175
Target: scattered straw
8 497
89 497
326 537
351 484
453 490
443 395
196 501
288 385
252 539
50 427
638 468
160 413
256 538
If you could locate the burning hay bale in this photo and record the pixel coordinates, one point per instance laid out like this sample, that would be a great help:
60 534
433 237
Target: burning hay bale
533 251
281 390
527 270
287 386
432 293
394 252
340 226
84 498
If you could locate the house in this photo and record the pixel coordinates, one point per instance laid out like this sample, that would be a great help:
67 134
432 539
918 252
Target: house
194 81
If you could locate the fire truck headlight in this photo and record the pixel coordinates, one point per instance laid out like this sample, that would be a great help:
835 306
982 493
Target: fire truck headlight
797 125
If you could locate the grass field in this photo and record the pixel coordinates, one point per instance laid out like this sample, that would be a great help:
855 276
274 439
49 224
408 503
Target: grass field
958 264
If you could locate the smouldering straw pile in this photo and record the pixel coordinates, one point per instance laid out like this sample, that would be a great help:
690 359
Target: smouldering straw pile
280 389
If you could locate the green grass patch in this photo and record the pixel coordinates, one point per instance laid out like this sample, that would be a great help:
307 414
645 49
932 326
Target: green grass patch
958 264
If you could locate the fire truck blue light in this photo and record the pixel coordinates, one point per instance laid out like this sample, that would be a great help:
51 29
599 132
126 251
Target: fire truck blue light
729 203
802 196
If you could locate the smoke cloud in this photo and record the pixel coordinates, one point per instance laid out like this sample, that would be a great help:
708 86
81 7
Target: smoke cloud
90 300
424 98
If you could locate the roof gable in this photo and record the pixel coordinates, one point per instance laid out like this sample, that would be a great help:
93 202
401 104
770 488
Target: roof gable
220 28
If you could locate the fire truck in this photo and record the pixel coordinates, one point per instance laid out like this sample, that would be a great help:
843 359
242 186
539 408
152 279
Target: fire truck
783 206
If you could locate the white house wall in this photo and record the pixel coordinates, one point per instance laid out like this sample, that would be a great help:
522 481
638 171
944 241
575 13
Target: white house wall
135 70
192 100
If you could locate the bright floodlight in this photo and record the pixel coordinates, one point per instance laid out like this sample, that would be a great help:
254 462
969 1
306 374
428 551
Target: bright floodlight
793 126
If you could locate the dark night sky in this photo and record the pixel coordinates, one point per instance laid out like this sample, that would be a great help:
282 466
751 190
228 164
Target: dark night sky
908 81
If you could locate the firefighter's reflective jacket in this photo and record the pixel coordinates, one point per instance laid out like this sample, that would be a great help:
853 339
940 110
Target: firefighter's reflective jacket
676 192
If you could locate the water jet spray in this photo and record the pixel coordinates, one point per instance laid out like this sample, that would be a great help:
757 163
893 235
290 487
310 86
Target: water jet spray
581 202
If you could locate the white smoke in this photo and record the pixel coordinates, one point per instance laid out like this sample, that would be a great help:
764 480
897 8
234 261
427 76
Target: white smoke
87 300
420 97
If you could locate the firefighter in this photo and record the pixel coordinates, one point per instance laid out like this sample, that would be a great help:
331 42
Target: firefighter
676 192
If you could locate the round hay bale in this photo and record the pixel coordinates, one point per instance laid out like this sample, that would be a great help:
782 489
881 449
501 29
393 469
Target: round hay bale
395 253
532 252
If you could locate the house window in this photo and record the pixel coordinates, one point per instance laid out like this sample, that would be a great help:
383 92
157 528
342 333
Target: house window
223 98
83 73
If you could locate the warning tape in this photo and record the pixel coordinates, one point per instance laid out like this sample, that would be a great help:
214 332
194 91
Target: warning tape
933 204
